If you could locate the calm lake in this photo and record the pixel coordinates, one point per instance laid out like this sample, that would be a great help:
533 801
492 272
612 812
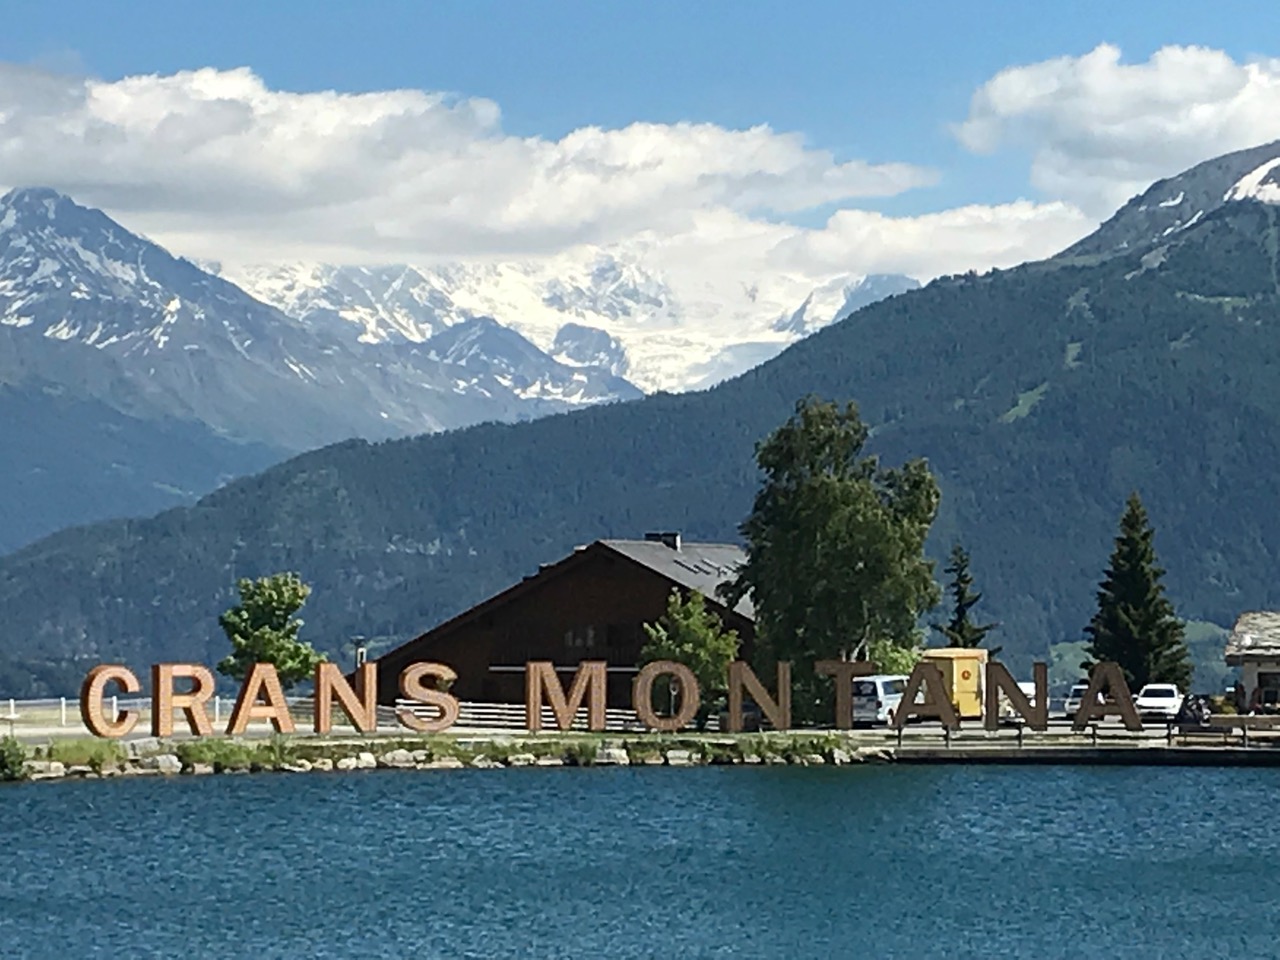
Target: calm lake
745 862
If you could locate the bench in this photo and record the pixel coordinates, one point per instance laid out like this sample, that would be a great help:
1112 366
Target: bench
1221 726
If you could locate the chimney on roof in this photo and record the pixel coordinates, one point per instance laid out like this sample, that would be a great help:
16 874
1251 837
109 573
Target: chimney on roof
670 538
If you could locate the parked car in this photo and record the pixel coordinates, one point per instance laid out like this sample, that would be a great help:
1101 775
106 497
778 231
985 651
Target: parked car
876 698
1006 705
1158 701
1072 704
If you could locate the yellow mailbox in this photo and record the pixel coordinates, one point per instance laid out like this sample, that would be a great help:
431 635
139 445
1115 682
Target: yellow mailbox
962 669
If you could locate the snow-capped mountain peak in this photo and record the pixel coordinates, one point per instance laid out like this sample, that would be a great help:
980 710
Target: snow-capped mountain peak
115 318
1262 184
609 309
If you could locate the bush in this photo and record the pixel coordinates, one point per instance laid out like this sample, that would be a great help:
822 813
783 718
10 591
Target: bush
12 758
580 753
221 753
95 753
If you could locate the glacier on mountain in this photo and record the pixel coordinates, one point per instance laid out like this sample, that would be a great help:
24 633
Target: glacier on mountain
609 309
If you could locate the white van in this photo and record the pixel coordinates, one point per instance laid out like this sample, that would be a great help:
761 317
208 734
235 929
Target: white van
876 698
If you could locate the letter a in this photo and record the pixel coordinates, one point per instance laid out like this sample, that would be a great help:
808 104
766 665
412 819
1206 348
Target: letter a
1107 675
937 700
262 679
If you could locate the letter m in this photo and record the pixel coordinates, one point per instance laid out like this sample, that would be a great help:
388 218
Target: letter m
540 681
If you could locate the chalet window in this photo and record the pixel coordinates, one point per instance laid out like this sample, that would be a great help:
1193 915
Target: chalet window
580 638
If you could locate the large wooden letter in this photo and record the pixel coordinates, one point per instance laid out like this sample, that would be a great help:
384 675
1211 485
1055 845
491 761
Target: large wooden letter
413 686
164 701
937 700
778 711
540 677
262 679
361 708
999 679
642 695
844 671
1107 675
95 721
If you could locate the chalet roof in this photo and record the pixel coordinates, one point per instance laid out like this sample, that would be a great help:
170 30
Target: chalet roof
697 566
1255 634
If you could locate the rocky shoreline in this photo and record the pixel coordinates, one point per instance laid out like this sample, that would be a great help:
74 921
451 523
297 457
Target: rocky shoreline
213 756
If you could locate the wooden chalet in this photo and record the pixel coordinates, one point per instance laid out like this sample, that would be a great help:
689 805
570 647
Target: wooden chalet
1254 647
592 605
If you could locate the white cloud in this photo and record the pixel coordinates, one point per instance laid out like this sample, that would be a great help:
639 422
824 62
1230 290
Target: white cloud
1100 130
951 241
217 159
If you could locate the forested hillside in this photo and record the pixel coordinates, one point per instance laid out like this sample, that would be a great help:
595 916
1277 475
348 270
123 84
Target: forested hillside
1041 396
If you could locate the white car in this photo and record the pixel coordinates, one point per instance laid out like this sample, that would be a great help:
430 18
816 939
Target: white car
1158 701
876 698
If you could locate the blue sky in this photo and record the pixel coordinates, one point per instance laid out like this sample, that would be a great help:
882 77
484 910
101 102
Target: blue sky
922 175
880 81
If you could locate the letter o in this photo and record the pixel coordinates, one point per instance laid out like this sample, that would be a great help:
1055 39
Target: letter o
642 695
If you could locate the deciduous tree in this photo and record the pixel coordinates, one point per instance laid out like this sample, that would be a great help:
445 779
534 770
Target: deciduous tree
690 634
835 547
263 628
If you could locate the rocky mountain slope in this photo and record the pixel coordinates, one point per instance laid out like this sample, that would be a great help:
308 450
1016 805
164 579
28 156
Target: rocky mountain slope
120 331
1042 396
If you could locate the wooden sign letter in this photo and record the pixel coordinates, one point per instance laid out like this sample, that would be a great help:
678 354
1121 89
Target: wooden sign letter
844 671
1000 680
360 708
642 695
540 678
262 680
1108 676
164 701
937 700
414 686
91 712
778 711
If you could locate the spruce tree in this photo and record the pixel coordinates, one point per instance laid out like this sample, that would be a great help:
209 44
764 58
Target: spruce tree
960 630
1135 625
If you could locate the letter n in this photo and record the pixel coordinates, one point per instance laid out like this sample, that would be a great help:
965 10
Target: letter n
999 680
1107 675
359 704
540 678
778 711
937 699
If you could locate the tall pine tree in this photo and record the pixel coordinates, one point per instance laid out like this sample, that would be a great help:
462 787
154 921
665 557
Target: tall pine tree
1135 624
960 630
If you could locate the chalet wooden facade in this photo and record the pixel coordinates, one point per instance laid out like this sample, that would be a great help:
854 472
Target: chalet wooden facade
591 605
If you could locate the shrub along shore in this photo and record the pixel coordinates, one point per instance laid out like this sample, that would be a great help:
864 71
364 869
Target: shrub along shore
92 759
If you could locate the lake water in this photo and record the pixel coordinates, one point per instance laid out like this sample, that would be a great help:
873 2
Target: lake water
869 861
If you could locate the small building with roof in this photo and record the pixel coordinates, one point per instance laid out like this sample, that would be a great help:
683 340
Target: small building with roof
1254 647
591 605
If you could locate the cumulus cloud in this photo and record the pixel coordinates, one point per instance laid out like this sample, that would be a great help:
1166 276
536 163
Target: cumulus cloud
217 155
1101 130
951 241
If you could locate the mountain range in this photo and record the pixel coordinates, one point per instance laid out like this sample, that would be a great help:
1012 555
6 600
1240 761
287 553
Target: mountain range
1144 358
132 380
